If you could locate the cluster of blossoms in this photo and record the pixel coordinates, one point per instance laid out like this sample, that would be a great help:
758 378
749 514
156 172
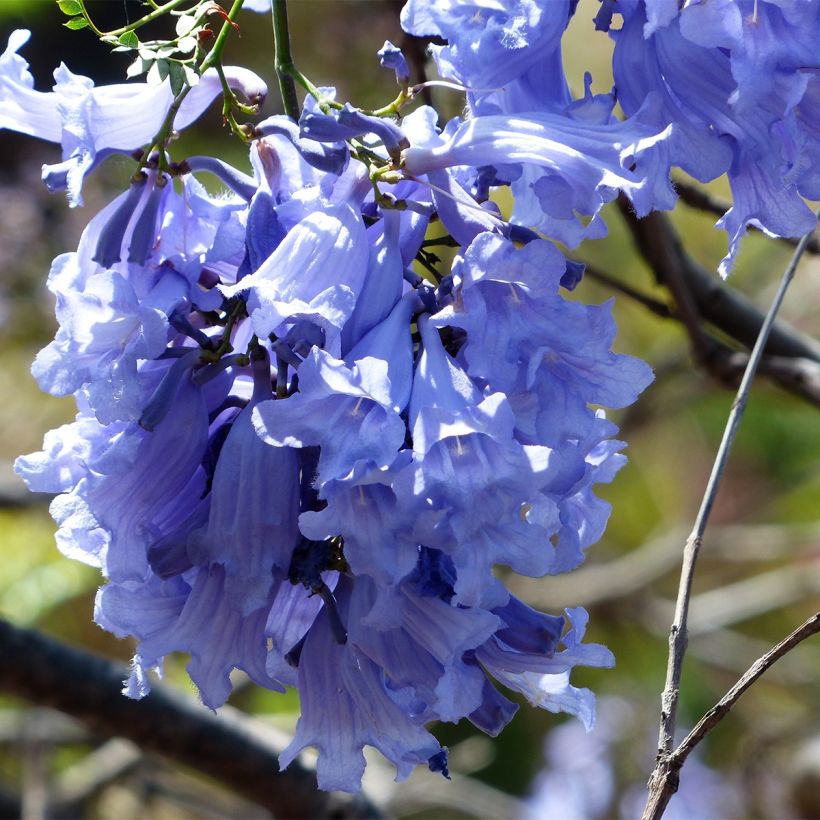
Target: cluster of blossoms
297 456
740 81
732 85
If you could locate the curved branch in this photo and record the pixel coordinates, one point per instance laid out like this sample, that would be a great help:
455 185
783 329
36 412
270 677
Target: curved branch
231 750
664 781
678 635
726 309
696 197
799 375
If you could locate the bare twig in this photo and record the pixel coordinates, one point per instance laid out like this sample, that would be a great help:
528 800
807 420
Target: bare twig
660 780
231 750
726 309
674 761
697 197
798 375
653 305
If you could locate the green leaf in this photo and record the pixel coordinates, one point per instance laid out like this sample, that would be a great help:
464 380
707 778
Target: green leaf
139 66
158 72
177 74
186 45
76 23
185 24
191 77
70 7
129 40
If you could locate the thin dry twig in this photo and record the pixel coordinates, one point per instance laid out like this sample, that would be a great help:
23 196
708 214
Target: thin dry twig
673 762
723 308
662 784
798 375
653 305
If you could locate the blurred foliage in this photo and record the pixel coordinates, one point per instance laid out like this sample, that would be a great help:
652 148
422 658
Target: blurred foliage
673 431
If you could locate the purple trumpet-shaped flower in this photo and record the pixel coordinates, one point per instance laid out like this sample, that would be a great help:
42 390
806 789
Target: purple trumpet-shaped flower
524 337
315 273
730 77
382 286
127 490
111 319
468 466
195 617
543 678
328 155
392 58
348 123
572 167
489 44
300 455
89 121
420 642
348 703
364 510
390 341
460 214
346 411
24 109
67 452
293 610
251 529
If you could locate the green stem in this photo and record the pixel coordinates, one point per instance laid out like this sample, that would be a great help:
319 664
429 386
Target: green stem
392 110
225 346
231 100
158 12
283 60
164 133
213 57
87 18
215 54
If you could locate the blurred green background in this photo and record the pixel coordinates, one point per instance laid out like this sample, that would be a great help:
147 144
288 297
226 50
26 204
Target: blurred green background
759 574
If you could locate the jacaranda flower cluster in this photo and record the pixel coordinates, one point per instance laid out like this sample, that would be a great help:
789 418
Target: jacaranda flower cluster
306 448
